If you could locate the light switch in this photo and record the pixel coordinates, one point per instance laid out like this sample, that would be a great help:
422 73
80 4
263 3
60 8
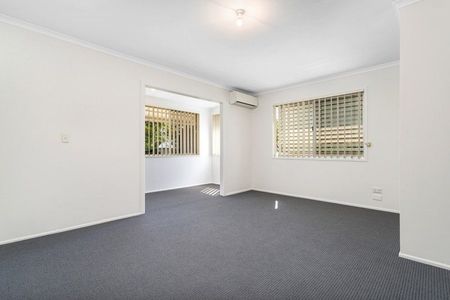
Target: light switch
65 138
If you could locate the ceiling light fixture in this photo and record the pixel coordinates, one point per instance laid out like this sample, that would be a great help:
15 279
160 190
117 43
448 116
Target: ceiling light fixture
240 17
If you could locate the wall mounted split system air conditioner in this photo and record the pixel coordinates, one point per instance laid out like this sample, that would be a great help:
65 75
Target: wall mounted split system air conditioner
244 100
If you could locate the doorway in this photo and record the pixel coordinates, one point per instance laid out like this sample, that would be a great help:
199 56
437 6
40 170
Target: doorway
182 141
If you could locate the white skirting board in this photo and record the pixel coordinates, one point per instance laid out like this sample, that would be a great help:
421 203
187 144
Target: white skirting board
424 261
238 192
178 187
329 201
32 236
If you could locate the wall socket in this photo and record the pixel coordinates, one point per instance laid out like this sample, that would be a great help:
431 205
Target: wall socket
377 190
377 197
377 194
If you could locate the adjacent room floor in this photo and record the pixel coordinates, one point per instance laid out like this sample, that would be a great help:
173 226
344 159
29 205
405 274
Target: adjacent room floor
192 243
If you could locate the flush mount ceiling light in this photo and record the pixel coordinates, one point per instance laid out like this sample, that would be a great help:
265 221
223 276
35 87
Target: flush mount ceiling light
240 17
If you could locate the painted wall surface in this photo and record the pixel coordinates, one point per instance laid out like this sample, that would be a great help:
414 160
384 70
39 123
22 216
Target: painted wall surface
236 149
163 173
342 181
215 158
49 86
425 131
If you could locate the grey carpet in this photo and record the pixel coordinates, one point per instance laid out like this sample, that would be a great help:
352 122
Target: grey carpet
192 245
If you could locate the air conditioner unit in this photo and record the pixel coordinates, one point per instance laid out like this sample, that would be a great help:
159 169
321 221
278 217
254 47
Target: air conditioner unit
242 99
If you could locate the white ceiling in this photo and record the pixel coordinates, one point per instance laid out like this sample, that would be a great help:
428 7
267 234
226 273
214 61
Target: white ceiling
281 43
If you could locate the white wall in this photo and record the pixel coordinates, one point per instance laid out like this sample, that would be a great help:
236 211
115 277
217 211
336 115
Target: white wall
163 173
215 161
49 86
425 132
236 149
345 182
215 158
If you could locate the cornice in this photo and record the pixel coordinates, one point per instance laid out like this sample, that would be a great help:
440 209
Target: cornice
403 3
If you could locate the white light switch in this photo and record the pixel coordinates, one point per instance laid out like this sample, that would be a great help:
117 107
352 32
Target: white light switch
65 138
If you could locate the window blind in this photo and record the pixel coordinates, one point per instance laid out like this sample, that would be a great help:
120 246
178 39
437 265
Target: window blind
329 127
216 134
171 132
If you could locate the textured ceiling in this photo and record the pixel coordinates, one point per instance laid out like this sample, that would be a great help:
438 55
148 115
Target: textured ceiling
281 43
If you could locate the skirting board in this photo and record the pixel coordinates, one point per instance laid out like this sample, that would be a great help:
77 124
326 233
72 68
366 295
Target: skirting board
32 236
238 192
424 261
329 201
178 187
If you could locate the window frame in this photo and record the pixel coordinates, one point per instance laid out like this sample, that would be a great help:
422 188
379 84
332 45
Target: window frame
365 158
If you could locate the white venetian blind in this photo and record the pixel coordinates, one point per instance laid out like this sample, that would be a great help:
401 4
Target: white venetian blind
329 127
171 132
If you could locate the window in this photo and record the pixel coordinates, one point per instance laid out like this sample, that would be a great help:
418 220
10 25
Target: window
216 134
170 132
330 127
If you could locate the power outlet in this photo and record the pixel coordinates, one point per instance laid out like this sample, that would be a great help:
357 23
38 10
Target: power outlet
377 190
377 197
